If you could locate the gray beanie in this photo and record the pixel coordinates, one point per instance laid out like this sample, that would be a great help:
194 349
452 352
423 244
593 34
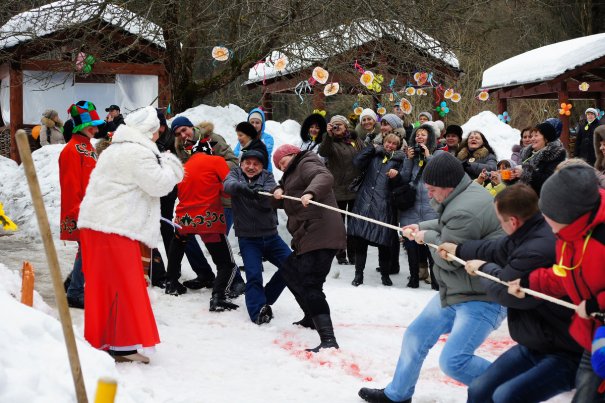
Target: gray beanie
443 170
570 193
393 120
426 114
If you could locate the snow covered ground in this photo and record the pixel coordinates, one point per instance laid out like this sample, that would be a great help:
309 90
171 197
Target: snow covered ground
213 357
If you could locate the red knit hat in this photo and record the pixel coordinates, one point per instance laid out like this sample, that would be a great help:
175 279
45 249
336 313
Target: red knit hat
282 151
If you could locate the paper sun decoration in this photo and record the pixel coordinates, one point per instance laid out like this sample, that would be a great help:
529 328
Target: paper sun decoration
452 95
85 62
483 96
331 89
442 109
220 53
381 110
319 75
504 117
456 98
565 109
406 106
584 86
420 91
358 110
421 78
280 64
409 91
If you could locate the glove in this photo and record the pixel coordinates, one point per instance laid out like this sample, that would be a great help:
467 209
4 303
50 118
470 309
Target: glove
247 192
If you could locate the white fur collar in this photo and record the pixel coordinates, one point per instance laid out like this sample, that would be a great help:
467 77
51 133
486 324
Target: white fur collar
126 134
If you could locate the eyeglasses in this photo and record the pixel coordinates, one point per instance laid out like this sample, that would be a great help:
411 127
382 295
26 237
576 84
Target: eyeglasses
561 270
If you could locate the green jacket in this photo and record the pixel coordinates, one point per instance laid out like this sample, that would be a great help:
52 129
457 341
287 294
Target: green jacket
466 214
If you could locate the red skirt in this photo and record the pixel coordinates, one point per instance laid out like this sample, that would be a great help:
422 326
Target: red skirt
117 309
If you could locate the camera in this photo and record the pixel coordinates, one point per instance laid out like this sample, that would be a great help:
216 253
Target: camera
418 150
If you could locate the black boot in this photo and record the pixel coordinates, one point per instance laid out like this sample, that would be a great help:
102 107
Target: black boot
358 280
414 265
323 325
306 321
175 288
386 280
219 303
341 257
199 283
377 396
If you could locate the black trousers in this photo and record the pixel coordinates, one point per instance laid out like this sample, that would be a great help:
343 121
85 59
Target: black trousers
305 275
347 205
361 255
220 251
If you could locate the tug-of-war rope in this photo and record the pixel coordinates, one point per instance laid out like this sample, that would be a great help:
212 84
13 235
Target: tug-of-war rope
450 256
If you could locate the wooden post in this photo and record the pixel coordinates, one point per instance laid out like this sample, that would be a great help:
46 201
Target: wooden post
163 90
267 104
319 99
563 97
501 104
27 284
53 264
16 108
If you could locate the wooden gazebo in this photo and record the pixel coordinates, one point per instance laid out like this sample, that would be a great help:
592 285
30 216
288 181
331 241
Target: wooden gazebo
564 71
127 49
368 50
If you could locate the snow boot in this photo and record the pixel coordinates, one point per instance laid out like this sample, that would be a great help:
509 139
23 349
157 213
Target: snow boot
265 315
377 396
199 283
323 325
358 280
386 280
219 303
175 288
306 321
134 357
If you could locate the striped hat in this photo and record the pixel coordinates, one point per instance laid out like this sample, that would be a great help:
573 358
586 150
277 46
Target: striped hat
84 114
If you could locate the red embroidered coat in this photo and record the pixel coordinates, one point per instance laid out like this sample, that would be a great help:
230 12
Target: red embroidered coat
76 162
200 210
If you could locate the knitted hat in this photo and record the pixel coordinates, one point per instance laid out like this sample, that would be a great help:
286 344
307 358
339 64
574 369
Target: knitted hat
439 125
557 124
144 120
393 120
84 114
548 131
443 170
180 121
284 150
255 115
369 113
454 129
427 114
592 110
50 114
570 193
339 118
247 129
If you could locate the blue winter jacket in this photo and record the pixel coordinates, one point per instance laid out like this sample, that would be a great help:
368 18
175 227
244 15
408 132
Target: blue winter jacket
265 137
422 209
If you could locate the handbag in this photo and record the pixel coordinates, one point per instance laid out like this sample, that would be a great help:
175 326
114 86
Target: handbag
356 183
403 196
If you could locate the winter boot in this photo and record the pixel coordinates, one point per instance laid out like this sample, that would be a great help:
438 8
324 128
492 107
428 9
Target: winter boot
175 288
219 303
341 257
358 280
200 282
377 396
323 325
238 287
265 315
386 280
306 321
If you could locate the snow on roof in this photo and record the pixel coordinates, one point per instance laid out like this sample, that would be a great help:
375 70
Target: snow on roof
63 14
545 63
341 39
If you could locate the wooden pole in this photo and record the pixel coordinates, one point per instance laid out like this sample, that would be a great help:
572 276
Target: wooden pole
27 284
53 264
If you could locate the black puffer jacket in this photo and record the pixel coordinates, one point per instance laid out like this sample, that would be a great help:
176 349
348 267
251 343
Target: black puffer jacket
537 167
585 142
374 195
534 323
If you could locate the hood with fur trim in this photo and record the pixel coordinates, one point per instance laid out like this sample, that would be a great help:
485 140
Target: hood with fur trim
304 129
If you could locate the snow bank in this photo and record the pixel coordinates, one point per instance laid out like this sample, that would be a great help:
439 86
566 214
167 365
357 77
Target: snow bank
501 137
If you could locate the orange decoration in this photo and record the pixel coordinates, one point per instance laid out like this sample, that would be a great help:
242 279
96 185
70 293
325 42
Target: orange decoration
456 97
320 75
220 53
483 96
448 93
281 63
406 106
410 91
27 284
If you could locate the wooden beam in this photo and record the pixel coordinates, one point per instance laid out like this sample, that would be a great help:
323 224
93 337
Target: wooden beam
600 62
98 67
16 109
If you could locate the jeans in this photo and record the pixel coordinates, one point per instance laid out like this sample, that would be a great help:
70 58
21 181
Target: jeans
253 249
76 286
524 375
587 382
468 325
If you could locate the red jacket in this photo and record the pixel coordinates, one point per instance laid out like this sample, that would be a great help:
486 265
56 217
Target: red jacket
586 282
76 162
200 210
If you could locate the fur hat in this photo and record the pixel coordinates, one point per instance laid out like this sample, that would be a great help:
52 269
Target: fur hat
284 150
440 126
454 129
84 114
247 129
144 120
369 113
427 115
443 170
548 131
180 121
393 120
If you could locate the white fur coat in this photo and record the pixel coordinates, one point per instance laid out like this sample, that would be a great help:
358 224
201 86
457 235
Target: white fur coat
123 195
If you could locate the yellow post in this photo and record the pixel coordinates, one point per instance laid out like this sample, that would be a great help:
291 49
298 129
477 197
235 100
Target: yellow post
106 390
27 284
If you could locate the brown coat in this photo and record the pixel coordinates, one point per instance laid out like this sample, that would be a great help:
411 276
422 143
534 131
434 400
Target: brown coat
339 160
312 227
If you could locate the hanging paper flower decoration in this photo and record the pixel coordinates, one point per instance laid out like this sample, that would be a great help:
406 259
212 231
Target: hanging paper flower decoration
391 97
483 96
358 110
381 110
456 97
320 112
442 109
406 106
565 109
584 86
320 75
376 83
420 91
220 53
331 89
367 78
504 117
281 63
448 93
85 62
421 78
409 91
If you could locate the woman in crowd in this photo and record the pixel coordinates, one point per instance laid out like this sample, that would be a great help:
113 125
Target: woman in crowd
390 123
524 142
368 125
312 132
338 148
418 154
476 154
122 208
256 118
247 138
540 159
51 128
381 164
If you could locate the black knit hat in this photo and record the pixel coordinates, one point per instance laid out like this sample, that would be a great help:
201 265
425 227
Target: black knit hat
443 170
548 131
454 129
247 129
570 193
